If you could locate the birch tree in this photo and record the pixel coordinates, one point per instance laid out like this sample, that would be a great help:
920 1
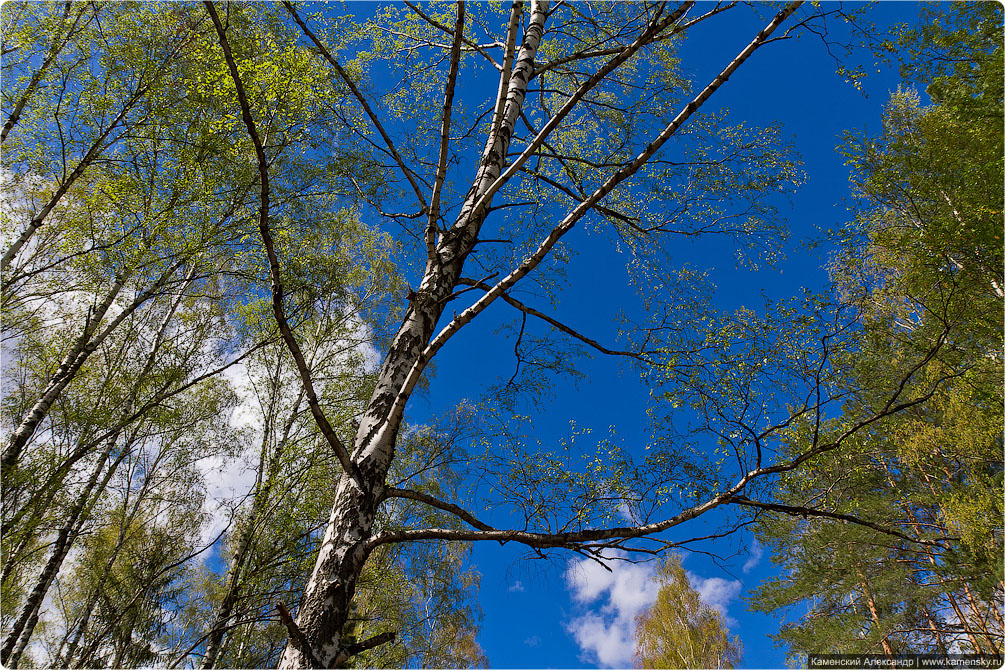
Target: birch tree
124 280
295 169
680 631
567 125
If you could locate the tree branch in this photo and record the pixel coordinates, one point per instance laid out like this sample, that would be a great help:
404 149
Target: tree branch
348 466
438 504
448 102
847 518
362 101
569 540
297 637
375 641
557 324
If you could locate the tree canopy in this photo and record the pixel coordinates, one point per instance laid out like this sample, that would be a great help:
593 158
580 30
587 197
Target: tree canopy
921 262
239 239
679 630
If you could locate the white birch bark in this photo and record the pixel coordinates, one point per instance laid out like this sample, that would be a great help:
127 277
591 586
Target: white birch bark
85 345
325 605
23 628
20 634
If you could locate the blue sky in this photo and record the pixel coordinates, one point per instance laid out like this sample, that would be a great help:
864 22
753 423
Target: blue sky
561 612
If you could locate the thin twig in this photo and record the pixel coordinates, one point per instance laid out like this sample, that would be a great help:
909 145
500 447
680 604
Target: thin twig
277 287
363 102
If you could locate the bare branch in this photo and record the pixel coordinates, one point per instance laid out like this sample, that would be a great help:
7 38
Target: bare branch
277 287
557 324
438 504
363 102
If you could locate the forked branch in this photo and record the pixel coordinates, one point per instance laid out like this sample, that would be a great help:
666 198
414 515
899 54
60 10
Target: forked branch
363 103
570 220
278 307
297 637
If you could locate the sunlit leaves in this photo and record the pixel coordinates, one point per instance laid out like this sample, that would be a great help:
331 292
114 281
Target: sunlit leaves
920 265
679 630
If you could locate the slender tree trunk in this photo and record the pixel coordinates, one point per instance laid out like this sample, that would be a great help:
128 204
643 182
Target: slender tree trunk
259 504
69 366
75 359
936 631
874 611
16 642
324 608
981 616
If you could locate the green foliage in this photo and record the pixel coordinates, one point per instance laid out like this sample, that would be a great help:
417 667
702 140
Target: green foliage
680 631
164 199
922 268
131 178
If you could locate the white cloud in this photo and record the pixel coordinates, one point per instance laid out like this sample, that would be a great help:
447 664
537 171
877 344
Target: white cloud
717 593
613 598
756 552
609 644
230 479
606 636
626 513
517 586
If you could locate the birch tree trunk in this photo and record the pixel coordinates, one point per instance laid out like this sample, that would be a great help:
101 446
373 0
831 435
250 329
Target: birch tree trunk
16 642
18 639
260 501
324 608
86 344
69 366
